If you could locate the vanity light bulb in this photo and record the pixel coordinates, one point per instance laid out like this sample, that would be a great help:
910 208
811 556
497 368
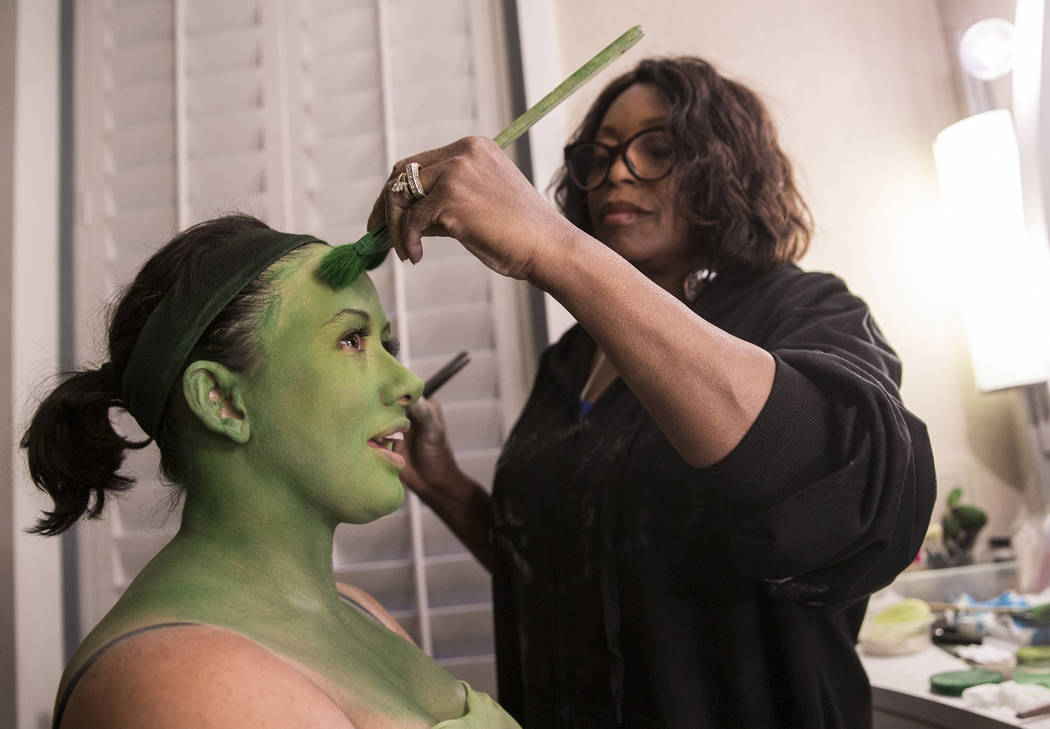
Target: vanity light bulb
987 49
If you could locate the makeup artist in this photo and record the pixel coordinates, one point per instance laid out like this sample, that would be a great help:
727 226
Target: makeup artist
714 469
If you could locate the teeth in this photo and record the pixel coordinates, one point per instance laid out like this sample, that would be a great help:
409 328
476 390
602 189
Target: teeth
387 441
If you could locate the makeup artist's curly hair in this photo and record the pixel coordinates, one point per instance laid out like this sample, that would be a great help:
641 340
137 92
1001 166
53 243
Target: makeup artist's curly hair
737 191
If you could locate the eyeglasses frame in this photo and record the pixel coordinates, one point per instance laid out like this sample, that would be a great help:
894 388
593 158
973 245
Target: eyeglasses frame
614 151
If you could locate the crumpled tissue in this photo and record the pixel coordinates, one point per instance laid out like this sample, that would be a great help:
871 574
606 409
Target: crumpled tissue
1006 696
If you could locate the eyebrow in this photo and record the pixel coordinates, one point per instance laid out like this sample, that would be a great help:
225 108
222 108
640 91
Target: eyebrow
357 312
350 312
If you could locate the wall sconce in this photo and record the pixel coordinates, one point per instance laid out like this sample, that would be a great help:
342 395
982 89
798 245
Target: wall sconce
995 201
1002 275
988 48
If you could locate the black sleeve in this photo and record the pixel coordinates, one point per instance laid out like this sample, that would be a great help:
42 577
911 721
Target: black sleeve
833 486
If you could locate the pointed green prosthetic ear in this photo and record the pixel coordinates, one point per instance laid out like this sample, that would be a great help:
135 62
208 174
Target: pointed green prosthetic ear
344 264
214 396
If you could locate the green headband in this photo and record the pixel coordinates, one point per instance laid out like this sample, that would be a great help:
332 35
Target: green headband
186 310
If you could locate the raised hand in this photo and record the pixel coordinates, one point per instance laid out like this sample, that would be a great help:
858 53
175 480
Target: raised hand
426 449
475 194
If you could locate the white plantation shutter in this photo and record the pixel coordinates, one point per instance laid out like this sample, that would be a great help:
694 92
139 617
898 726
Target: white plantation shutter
295 112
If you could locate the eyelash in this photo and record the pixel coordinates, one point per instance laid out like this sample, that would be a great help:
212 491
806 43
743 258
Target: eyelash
392 345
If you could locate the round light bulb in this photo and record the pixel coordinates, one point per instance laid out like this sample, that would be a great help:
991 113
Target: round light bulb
987 49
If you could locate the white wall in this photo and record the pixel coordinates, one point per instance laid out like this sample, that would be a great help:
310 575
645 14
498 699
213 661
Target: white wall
31 613
7 151
859 90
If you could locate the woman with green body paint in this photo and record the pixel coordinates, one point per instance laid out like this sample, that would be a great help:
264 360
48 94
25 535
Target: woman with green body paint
279 426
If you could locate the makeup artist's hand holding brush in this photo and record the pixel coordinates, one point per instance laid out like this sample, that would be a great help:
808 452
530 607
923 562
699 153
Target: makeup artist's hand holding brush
426 449
431 470
433 474
475 194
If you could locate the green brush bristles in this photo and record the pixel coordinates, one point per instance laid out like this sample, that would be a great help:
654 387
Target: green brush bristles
343 264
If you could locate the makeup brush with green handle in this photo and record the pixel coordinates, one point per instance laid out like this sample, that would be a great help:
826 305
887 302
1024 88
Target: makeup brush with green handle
343 264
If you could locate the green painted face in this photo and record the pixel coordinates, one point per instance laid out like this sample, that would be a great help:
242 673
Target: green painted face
328 401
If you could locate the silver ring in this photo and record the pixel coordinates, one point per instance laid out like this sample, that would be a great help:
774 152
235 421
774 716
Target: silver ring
415 187
401 185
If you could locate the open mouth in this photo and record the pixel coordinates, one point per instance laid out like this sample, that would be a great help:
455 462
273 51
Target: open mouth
386 442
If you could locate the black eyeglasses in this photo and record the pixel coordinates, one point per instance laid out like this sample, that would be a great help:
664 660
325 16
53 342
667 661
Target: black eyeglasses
649 155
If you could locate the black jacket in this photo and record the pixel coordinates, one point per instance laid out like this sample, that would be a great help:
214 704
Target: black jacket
631 588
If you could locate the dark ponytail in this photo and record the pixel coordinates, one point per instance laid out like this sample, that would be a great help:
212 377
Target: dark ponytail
74 453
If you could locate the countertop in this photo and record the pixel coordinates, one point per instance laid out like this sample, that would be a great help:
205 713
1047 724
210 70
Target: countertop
901 686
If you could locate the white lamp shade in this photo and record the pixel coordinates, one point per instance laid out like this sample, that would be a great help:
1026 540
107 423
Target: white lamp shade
1002 275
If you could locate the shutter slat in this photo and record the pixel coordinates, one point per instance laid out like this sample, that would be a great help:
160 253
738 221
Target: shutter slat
141 23
142 144
143 187
463 633
234 89
150 61
141 103
237 48
134 233
451 100
225 133
389 583
209 207
360 112
448 330
423 134
460 581
345 73
336 32
345 158
474 425
439 20
226 174
417 64
209 16
447 282
321 9
346 202
382 540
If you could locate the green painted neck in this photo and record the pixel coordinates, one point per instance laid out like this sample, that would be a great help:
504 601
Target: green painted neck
254 530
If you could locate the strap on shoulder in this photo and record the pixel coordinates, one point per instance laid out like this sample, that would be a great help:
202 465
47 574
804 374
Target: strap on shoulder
60 706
